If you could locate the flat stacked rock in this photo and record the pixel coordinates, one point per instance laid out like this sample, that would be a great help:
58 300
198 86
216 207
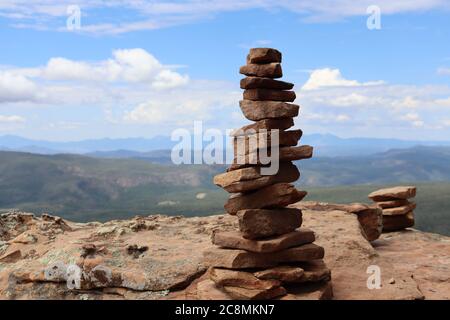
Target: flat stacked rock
270 256
398 210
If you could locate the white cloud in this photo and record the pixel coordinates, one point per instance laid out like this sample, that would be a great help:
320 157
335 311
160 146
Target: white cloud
328 77
11 119
16 87
195 103
45 14
128 65
62 80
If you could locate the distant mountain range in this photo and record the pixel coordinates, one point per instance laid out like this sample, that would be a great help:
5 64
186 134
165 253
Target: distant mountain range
93 188
325 145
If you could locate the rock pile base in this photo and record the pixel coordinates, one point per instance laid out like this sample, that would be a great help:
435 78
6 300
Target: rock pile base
398 210
270 256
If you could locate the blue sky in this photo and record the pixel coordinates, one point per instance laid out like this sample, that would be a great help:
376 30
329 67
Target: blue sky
145 68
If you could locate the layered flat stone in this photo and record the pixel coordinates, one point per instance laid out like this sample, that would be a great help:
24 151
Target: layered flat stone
265 83
269 94
398 222
265 139
273 196
235 240
303 272
392 204
395 193
241 259
264 124
259 223
314 271
263 55
254 294
259 110
399 210
282 273
263 156
242 279
248 179
270 70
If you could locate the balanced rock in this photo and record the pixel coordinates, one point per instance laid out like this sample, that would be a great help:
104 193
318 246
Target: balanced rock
264 124
268 94
258 223
254 294
234 240
270 70
281 273
371 222
248 179
265 83
398 222
399 210
314 271
263 55
241 259
392 204
258 110
395 193
249 143
226 277
273 196
262 156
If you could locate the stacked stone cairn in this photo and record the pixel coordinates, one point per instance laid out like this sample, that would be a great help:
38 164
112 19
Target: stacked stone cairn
398 210
270 256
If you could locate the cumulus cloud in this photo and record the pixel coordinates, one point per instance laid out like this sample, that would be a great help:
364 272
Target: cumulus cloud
16 87
63 80
370 105
328 77
127 65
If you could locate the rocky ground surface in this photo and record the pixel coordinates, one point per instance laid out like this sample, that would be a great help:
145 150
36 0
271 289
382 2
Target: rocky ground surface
161 257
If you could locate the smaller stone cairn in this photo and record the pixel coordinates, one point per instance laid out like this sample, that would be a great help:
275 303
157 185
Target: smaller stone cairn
398 210
270 256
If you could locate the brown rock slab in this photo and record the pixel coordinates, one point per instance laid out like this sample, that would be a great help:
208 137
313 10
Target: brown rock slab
259 110
258 223
254 294
265 83
269 94
395 193
310 291
398 222
248 179
270 70
235 240
249 143
371 221
263 156
273 196
241 279
399 210
314 271
264 124
11 257
207 290
392 204
263 55
241 259
281 273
